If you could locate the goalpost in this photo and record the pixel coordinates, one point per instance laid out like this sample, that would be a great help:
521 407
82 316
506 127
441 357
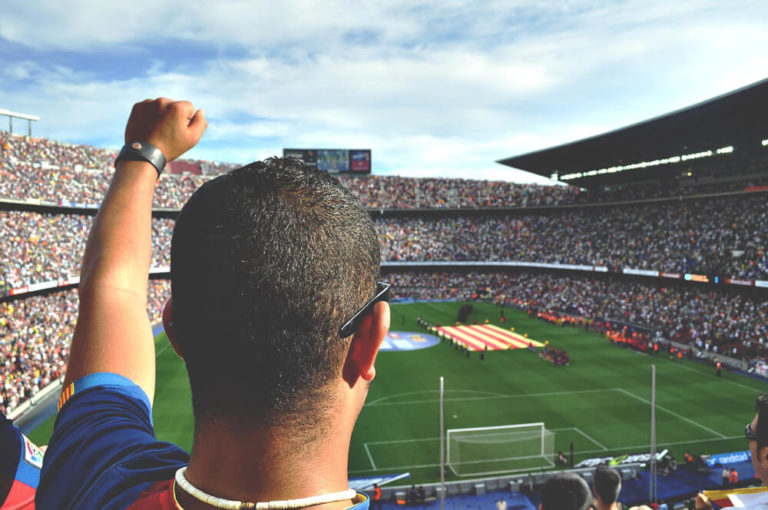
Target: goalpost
491 450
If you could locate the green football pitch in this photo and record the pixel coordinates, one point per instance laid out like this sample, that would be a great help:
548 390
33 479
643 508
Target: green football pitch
600 402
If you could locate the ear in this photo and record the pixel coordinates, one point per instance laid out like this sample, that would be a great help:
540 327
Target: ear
168 327
365 345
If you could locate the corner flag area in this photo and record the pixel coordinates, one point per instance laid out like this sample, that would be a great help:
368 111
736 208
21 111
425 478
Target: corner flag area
480 337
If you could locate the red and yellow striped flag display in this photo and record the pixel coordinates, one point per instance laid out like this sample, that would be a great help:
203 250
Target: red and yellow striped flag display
480 337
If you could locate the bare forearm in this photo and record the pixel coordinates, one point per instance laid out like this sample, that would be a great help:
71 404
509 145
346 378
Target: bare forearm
113 333
114 274
119 246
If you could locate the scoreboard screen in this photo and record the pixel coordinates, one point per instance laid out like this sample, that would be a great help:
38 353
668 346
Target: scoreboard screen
334 160
308 156
360 161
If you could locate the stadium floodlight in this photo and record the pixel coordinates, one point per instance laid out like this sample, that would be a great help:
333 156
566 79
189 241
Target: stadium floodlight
697 155
765 142
646 164
481 451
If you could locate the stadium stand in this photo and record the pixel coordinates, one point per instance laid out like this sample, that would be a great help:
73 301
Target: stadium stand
727 322
35 333
667 237
663 224
34 339
721 235
60 173
42 247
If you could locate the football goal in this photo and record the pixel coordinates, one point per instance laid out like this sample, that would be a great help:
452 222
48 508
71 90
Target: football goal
491 450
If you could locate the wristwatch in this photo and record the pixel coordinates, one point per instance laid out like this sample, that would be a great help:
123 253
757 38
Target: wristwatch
142 151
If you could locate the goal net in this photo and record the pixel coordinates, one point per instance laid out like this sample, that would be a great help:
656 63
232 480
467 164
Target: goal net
491 450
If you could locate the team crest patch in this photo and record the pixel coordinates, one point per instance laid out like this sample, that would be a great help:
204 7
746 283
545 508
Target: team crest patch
32 454
407 341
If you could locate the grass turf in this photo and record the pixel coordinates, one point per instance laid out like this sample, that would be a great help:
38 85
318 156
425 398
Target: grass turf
601 401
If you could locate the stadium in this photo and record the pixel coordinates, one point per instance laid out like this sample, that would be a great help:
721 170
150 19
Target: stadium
544 310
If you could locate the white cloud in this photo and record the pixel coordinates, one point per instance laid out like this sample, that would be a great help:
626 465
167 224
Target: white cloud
442 88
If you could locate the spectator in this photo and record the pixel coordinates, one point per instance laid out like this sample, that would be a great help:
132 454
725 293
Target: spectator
565 491
376 497
275 403
665 237
20 463
35 334
501 504
46 247
607 486
756 432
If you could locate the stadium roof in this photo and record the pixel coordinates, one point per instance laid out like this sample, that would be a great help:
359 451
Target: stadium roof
738 119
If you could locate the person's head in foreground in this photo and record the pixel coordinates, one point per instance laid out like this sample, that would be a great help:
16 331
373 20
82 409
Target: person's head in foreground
565 491
756 433
607 484
269 264
275 308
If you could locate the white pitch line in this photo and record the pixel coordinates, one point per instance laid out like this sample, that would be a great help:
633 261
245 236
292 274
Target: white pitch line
392 468
393 441
621 448
380 401
598 443
495 396
670 443
162 349
680 416
370 457
582 433
722 380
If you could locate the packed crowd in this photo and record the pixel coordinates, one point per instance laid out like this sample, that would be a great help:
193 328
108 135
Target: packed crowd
35 334
724 322
392 192
724 236
61 173
43 247
41 169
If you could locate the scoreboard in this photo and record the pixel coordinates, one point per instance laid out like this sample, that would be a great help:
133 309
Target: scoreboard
354 161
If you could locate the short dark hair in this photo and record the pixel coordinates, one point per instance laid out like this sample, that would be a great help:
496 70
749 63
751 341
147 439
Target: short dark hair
565 491
267 262
607 483
761 406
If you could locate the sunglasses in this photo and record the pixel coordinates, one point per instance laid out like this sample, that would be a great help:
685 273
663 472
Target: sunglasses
749 433
382 294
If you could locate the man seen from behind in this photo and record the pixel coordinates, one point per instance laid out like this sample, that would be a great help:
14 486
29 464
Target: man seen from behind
275 309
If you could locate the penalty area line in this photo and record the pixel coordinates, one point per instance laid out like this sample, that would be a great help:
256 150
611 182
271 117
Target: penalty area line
370 457
585 435
680 416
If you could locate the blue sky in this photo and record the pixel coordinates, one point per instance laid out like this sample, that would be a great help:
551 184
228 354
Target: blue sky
433 88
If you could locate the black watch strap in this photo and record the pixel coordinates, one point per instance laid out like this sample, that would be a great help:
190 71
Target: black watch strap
142 151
